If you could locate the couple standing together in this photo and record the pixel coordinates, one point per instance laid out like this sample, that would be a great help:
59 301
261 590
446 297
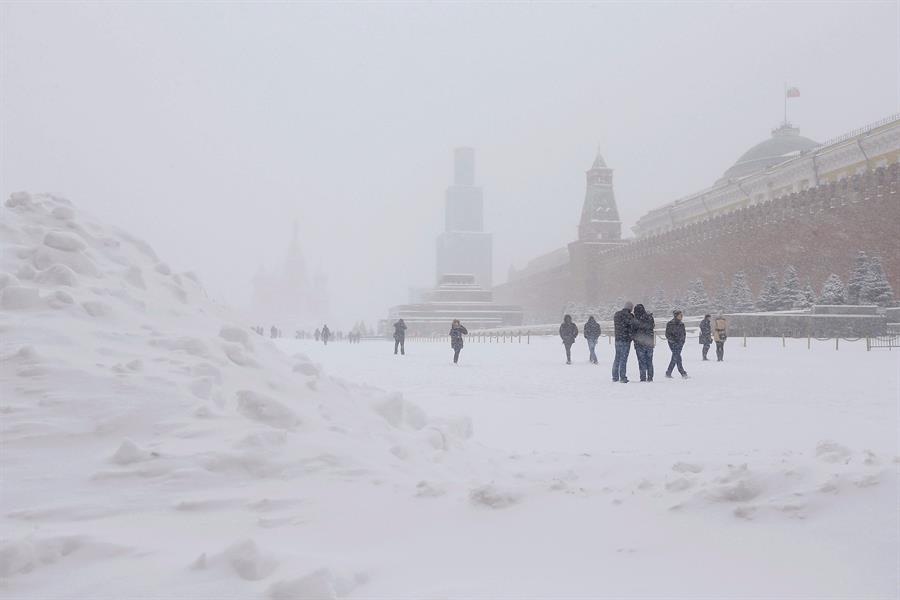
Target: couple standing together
638 327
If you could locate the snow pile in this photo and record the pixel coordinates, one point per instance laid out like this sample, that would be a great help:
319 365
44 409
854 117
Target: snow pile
133 397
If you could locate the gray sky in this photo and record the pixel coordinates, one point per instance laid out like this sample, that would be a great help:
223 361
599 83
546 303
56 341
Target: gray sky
207 128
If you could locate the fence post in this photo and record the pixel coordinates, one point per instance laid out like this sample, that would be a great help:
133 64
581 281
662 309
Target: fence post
520 337
868 344
528 337
808 342
745 340
836 340
782 340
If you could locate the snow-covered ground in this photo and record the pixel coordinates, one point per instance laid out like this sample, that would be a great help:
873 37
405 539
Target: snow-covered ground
153 447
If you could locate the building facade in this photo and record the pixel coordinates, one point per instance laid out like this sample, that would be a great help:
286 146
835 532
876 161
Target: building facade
464 246
786 201
463 269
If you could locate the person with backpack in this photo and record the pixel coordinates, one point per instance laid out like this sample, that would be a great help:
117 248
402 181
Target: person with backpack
676 336
592 334
622 327
644 341
568 331
400 336
719 336
706 335
457 331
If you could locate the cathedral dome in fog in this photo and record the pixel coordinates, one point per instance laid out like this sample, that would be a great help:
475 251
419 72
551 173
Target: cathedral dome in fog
785 143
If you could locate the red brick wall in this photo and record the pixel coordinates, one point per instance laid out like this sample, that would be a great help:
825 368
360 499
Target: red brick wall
818 231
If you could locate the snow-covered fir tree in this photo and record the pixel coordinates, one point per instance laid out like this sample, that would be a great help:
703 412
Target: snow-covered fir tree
697 299
741 295
658 302
832 290
877 289
858 275
807 295
790 294
770 296
721 301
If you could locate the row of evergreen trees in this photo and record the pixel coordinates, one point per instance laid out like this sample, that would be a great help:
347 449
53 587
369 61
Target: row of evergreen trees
867 285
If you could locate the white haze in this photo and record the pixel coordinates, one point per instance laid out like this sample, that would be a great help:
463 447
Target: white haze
207 128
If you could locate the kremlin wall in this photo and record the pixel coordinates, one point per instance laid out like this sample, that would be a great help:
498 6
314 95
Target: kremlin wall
786 201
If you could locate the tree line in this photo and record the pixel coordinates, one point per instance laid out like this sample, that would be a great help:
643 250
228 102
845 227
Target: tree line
867 284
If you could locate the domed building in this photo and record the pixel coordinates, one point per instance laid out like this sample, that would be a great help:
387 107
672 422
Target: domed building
785 144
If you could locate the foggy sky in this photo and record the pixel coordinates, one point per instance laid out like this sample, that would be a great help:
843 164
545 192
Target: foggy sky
206 129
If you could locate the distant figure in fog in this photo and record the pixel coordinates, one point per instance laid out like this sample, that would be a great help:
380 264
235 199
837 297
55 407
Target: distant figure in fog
676 336
706 335
644 341
592 334
719 335
568 331
399 336
457 331
318 334
326 334
622 324
273 332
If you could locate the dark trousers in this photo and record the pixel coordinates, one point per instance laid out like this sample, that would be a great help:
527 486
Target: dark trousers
592 346
720 350
620 363
568 346
645 361
398 342
705 350
676 359
456 352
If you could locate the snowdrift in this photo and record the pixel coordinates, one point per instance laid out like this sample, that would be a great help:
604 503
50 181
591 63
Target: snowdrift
157 401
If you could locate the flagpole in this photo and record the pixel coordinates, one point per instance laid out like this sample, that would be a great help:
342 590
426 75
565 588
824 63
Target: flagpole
785 104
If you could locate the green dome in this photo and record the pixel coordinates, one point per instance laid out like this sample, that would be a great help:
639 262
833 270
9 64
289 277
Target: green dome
785 143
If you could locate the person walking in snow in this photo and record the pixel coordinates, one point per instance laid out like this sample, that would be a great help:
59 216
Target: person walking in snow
326 334
676 336
706 335
318 334
622 326
719 336
592 334
568 331
457 331
399 336
644 341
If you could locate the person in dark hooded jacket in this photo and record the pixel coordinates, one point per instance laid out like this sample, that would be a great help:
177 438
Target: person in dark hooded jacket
676 336
622 322
592 334
706 335
400 336
457 331
644 341
568 331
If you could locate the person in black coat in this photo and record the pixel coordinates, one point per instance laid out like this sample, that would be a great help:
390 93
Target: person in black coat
644 341
622 324
568 331
457 331
706 334
676 336
326 334
400 336
592 334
